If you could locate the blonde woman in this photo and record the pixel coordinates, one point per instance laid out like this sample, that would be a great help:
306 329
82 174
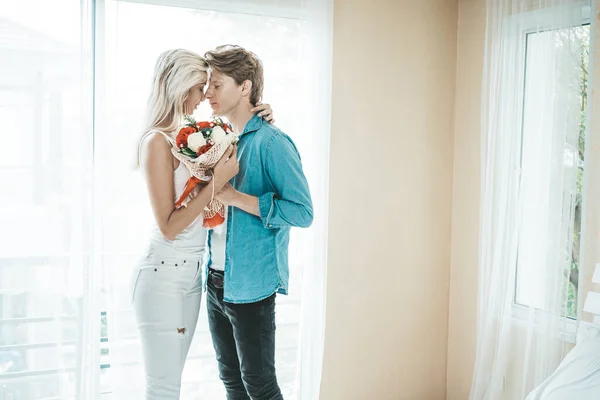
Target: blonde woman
167 281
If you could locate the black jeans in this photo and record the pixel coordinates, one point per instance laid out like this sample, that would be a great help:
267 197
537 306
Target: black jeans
244 339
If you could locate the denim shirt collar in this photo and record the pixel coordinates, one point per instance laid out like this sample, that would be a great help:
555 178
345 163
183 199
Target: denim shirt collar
254 124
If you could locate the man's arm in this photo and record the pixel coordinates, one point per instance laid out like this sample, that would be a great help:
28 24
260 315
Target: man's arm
290 203
245 202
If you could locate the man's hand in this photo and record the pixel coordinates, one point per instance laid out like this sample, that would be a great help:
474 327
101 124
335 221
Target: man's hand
231 197
227 195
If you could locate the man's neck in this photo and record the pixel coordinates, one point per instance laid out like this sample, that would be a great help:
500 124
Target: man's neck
239 117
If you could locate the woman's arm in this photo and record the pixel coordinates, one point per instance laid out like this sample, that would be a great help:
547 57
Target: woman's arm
157 162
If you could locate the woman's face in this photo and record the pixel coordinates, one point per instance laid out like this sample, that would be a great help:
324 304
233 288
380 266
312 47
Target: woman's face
195 97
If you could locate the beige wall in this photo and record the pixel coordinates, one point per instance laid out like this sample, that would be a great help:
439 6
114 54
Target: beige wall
394 75
462 327
388 294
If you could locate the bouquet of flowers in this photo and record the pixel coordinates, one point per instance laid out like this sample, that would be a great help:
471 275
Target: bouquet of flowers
199 146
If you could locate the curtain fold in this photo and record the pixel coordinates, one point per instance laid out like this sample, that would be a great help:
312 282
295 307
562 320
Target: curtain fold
317 50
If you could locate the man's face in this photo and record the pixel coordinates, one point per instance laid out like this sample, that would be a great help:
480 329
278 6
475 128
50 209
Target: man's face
223 94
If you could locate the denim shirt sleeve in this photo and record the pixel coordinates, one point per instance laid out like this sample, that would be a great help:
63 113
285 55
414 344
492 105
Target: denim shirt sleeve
290 203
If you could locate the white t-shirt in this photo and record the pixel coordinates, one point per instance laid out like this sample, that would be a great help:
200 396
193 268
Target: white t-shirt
217 245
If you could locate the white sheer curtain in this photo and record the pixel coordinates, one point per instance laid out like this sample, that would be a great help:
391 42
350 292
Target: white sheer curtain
292 39
591 208
533 105
49 315
73 215
318 21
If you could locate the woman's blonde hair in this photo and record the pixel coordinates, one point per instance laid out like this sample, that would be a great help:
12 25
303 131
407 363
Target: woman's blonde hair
175 73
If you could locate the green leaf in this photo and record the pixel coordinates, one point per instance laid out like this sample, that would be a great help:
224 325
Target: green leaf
190 121
206 132
188 152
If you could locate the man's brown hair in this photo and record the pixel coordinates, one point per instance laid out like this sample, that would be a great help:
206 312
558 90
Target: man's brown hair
240 64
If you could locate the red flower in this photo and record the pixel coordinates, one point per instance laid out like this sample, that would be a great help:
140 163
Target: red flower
204 149
203 125
183 135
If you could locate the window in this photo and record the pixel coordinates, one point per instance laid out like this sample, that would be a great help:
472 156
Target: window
72 98
536 173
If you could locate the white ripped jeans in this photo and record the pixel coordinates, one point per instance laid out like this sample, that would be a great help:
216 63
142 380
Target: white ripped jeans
166 297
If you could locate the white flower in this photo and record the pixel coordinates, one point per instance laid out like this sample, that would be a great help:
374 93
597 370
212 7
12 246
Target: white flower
218 134
195 141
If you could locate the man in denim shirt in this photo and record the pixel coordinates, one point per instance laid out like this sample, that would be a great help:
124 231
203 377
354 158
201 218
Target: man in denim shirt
248 256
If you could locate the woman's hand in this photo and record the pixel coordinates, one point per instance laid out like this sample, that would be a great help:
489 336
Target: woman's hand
264 111
227 167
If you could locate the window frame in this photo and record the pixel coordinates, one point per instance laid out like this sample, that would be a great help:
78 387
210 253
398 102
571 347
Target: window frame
521 313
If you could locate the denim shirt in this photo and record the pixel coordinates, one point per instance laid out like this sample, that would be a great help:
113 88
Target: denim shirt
256 249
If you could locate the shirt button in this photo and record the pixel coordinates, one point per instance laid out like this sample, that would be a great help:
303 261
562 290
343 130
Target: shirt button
270 226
